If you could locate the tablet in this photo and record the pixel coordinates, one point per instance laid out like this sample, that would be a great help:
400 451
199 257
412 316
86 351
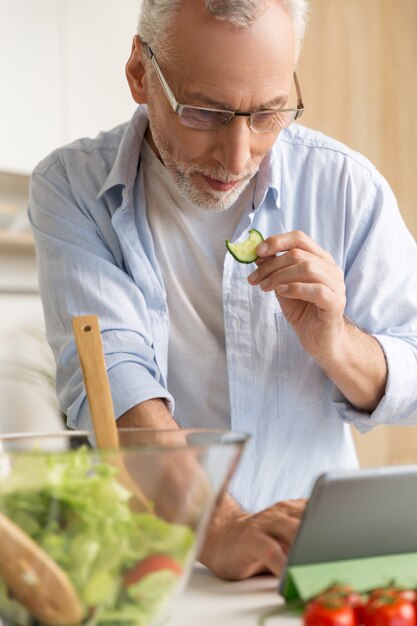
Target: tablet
356 514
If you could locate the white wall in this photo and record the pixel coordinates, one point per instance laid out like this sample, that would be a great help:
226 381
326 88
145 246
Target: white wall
62 77
62 73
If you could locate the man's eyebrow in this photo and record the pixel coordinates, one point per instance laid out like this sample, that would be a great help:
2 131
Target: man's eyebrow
278 101
204 100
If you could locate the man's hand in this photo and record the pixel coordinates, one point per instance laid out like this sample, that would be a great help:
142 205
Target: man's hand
239 545
311 291
309 286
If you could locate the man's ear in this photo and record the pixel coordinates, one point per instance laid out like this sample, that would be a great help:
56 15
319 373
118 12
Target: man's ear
136 72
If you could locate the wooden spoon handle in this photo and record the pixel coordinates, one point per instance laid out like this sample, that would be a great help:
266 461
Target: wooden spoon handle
90 350
35 579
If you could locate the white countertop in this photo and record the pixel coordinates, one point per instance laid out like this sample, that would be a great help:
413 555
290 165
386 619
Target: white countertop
208 601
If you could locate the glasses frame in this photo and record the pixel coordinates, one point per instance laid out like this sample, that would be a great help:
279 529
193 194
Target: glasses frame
178 108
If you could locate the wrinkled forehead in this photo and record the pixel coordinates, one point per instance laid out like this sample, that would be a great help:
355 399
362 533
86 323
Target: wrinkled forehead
214 56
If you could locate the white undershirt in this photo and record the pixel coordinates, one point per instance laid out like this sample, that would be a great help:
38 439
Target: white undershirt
190 248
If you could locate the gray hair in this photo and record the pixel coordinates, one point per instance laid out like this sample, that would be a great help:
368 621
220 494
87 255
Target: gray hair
156 16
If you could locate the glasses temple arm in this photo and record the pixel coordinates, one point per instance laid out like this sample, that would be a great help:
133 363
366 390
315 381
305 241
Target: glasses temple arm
165 86
300 104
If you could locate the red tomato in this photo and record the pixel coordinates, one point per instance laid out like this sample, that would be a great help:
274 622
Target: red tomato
407 594
361 615
345 592
348 596
151 564
330 611
390 610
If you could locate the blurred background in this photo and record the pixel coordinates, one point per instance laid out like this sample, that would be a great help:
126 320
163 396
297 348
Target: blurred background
62 77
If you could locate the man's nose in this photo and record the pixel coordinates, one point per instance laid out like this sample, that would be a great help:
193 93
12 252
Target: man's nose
233 146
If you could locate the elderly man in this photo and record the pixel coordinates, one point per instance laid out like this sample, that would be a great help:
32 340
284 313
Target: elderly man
131 226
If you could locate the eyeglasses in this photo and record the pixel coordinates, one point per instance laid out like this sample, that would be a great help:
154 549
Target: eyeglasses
268 121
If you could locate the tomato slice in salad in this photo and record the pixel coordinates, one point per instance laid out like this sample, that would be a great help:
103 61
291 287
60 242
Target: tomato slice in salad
151 564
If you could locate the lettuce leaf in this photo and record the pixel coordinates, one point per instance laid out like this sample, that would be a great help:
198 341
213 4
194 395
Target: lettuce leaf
72 505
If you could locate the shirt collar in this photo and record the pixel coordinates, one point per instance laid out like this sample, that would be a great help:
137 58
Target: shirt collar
269 176
124 169
125 166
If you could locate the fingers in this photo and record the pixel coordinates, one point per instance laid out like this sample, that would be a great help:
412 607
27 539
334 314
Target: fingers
279 523
269 556
259 557
276 522
256 543
263 259
296 266
294 508
317 294
269 535
288 241
303 271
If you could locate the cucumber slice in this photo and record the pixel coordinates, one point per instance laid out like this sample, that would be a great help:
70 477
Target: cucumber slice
244 252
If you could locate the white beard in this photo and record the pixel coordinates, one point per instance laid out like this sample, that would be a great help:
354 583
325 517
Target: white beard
183 175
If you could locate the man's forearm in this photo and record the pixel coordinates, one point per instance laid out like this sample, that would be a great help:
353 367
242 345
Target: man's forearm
149 414
237 545
154 414
357 366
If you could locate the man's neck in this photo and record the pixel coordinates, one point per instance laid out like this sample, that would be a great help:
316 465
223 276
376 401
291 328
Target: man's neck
149 139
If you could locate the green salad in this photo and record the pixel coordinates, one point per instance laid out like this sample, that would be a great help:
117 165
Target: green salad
124 565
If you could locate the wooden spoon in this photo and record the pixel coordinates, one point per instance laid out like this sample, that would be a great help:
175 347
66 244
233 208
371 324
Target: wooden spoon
90 351
35 579
29 572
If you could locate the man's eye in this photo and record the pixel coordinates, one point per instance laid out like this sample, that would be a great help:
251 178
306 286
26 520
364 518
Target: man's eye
271 119
204 118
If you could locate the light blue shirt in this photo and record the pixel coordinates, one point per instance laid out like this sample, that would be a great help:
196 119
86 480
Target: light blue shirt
96 256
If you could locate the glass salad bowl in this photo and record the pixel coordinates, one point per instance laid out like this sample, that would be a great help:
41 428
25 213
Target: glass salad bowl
124 525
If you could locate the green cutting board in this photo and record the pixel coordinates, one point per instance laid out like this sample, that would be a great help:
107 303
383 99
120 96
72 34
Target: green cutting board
305 581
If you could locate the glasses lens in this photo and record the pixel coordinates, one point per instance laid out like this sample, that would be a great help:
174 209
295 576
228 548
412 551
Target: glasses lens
270 121
204 119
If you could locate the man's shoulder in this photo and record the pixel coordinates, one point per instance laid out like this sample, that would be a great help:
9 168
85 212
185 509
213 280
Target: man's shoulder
298 138
97 152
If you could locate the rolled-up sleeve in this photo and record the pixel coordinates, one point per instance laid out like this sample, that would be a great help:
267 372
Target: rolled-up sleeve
82 272
381 282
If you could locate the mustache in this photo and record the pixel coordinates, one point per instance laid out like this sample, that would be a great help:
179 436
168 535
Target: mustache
220 174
